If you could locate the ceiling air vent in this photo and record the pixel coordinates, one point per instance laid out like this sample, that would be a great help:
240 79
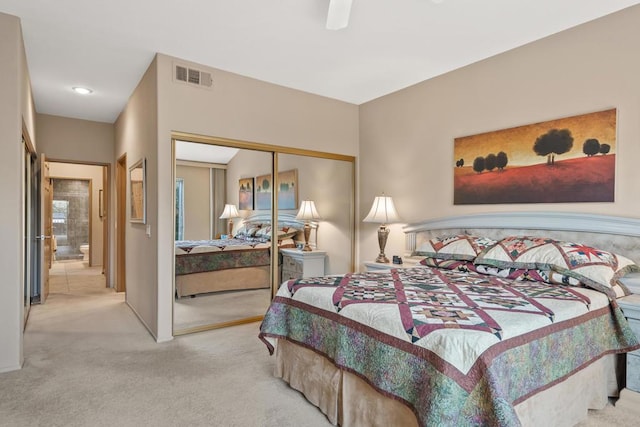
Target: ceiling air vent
192 76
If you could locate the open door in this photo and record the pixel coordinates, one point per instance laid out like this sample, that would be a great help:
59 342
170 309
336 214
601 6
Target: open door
46 248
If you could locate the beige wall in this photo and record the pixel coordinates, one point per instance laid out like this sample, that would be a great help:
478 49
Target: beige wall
409 134
197 201
16 105
63 138
136 134
241 108
327 182
93 173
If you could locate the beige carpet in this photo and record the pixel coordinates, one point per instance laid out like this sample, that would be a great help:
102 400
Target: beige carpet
89 362
219 307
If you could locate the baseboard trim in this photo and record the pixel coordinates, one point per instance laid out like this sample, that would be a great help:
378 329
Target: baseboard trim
143 322
11 368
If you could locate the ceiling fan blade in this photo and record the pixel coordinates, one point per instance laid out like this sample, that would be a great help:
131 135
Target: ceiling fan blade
338 16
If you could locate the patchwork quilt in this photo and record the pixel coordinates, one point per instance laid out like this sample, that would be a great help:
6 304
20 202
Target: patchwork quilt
459 348
221 260
187 246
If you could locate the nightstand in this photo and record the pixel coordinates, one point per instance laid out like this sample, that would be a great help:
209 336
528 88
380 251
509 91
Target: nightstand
630 305
298 264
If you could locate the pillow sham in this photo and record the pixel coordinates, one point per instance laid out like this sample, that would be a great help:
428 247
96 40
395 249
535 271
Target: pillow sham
448 264
283 232
462 247
247 231
546 276
595 268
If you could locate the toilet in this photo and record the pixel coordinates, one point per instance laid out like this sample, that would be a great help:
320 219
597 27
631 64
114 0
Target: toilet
85 251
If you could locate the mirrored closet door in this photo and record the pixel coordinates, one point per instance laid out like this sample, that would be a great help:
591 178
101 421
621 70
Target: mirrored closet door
323 189
231 251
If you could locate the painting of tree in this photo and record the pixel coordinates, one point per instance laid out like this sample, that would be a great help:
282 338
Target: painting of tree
245 194
558 161
287 191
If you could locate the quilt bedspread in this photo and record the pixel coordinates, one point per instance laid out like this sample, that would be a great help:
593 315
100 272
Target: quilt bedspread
457 348
221 260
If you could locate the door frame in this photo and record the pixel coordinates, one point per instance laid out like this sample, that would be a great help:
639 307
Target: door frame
121 218
275 151
30 226
106 229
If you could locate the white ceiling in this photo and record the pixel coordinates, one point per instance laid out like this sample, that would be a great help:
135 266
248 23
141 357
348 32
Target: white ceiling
204 153
388 45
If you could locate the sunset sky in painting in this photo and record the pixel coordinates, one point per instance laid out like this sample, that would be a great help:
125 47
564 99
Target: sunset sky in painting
518 142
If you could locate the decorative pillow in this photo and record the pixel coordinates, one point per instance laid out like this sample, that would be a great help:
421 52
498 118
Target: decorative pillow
283 232
520 252
533 275
448 264
593 267
247 231
460 247
546 276
263 231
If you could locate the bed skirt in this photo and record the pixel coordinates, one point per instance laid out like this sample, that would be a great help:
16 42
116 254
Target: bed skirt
231 279
347 400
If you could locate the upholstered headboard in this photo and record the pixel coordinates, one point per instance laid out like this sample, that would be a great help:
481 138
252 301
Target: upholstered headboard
284 220
616 234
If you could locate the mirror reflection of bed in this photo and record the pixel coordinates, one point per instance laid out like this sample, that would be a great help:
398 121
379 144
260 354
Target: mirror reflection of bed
223 275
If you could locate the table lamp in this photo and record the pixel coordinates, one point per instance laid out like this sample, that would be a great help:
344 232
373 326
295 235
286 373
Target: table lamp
382 212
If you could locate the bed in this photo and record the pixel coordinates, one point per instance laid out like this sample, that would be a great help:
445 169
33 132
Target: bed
240 263
495 327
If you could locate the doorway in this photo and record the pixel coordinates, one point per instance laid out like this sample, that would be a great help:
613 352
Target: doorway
71 215
80 227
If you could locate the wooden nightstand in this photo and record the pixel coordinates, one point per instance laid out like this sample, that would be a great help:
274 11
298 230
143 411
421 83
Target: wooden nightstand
630 305
297 264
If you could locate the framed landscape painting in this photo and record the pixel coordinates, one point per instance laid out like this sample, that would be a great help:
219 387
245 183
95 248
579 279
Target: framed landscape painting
287 194
565 160
245 193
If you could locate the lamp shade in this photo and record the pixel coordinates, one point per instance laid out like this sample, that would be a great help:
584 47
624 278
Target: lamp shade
338 15
308 211
383 211
230 211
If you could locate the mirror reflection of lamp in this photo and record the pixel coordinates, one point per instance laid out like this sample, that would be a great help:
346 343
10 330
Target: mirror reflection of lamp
382 212
229 212
307 213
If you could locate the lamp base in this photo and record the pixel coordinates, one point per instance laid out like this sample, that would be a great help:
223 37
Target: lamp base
230 228
383 233
307 233
382 259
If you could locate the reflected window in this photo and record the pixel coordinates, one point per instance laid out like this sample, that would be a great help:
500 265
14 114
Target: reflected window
179 209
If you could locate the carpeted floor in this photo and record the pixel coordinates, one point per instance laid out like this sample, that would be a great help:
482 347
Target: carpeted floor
219 307
89 362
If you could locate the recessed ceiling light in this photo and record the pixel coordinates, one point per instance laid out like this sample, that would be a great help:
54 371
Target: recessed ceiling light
81 90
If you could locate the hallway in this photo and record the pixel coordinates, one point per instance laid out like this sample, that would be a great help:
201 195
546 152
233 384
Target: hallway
89 361
76 277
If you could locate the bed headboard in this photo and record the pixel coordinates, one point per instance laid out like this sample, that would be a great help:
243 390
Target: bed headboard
612 231
284 219
616 234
